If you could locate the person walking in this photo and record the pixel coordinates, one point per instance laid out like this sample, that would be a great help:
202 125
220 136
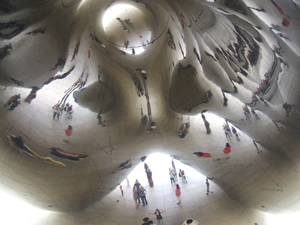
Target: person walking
68 132
178 194
142 194
159 217
121 189
136 197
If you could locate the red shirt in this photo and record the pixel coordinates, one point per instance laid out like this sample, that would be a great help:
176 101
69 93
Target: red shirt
68 132
227 150
178 193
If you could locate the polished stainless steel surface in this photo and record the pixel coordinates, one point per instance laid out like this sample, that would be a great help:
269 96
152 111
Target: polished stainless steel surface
123 65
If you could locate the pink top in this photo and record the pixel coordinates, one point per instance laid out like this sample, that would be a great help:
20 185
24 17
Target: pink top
178 193
227 150
68 132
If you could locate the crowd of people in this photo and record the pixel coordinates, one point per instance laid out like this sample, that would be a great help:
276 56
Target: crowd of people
183 130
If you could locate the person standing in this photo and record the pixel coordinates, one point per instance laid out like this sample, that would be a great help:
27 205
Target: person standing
207 126
136 197
159 217
56 111
12 99
235 133
121 189
142 194
171 176
227 150
178 194
174 169
183 176
149 176
68 132
227 131
15 104
137 185
207 187
146 167
206 123
100 121
89 53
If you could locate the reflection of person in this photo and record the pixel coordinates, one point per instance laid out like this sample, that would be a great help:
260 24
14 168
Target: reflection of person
67 155
121 189
227 150
136 197
187 127
12 99
147 221
171 174
202 154
142 194
68 132
181 128
15 104
56 111
146 167
137 184
178 194
207 186
149 176
182 175
159 217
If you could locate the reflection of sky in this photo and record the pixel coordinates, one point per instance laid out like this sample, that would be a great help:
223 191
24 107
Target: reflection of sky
124 11
159 164
16 212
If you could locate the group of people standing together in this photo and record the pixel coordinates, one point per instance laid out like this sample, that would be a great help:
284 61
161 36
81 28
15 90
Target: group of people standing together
174 179
58 110
139 192
13 102
183 130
